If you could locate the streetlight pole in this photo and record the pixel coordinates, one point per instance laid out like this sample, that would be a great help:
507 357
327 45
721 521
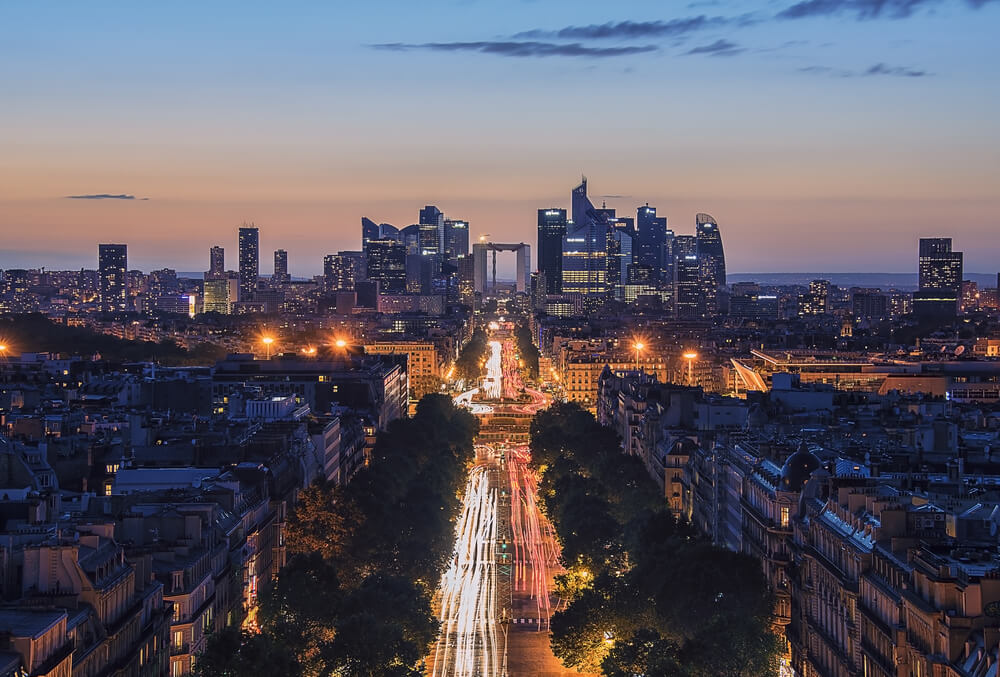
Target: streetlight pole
639 345
690 357
267 340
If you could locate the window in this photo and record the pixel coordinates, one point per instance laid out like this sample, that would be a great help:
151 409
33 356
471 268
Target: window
176 669
784 517
178 639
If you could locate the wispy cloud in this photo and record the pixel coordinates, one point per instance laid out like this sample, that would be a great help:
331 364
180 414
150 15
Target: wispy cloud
630 30
877 69
718 48
515 48
104 196
900 71
864 9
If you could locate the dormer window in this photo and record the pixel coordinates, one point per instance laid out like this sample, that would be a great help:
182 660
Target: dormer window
178 581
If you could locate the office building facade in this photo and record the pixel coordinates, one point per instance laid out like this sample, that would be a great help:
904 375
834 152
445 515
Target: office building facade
551 231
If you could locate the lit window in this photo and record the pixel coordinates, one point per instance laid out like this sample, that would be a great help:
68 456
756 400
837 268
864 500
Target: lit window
784 517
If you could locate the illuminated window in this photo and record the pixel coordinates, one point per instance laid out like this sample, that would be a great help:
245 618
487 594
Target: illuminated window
784 516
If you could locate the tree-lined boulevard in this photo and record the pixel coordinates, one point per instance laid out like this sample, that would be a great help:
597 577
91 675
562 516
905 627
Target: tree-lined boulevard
450 555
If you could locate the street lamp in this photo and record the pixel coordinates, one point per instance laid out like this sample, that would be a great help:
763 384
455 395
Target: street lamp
340 343
639 345
690 357
267 341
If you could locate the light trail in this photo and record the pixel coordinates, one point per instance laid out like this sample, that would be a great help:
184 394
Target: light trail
469 644
494 373
536 551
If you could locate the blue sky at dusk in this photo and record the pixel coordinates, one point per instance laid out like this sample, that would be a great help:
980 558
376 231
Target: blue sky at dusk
823 135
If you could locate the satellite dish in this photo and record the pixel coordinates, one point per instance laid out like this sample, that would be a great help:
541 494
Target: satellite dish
959 350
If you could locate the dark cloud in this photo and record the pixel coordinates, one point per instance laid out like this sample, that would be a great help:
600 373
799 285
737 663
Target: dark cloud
103 196
520 48
877 69
901 71
864 9
630 30
718 48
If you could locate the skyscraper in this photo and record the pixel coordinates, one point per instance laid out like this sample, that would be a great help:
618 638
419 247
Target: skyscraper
220 293
710 248
939 278
456 237
280 266
249 261
651 233
112 264
712 261
431 230
369 231
340 271
409 237
551 231
216 263
939 267
620 248
386 261
689 300
585 255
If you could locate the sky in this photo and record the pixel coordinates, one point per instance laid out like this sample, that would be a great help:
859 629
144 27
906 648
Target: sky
823 135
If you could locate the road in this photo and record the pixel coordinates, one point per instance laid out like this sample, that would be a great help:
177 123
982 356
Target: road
495 603
470 640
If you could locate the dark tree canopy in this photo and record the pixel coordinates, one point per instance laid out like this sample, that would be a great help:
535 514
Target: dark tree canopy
355 596
646 594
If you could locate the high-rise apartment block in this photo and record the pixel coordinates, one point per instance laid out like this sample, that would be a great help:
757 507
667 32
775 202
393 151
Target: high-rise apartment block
113 270
280 266
249 261
216 263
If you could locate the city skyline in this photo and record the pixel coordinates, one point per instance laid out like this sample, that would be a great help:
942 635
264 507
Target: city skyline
871 120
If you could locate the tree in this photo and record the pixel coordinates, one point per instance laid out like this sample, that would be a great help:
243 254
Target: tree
321 522
301 608
232 652
662 601
526 348
469 362
385 627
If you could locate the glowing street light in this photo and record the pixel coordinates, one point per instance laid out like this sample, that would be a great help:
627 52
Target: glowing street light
690 357
267 341
309 351
639 345
340 343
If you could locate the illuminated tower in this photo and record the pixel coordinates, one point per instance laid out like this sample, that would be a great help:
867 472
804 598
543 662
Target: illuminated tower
551 231
249 261
112 263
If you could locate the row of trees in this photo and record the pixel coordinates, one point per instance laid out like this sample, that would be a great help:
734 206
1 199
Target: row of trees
646 595
469 364
36 333
365 559
526 348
